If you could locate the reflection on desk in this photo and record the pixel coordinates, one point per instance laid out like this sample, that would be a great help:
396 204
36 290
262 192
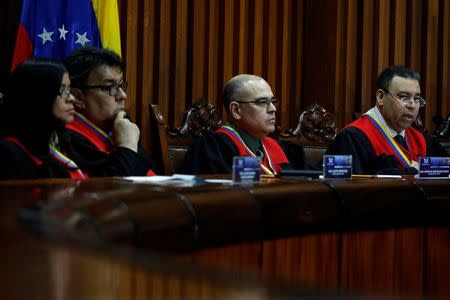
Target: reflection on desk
386 236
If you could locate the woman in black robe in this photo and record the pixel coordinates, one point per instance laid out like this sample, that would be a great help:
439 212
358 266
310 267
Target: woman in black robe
36 106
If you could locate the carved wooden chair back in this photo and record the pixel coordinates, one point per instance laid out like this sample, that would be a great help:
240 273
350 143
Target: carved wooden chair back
314 131
169 146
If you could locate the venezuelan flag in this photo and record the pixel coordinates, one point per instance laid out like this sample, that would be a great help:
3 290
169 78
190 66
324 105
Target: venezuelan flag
54 28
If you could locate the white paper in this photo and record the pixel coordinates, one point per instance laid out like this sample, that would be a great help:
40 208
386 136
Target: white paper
159 178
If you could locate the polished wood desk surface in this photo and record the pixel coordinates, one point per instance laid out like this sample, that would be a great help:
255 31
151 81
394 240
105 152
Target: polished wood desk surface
50 265
113 207
211 214
325 227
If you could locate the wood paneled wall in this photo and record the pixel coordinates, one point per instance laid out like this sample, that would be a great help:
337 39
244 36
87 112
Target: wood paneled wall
183 51
310 51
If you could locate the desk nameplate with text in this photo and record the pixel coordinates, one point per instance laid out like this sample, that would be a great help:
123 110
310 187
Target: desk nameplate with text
337 166
246 169
434 167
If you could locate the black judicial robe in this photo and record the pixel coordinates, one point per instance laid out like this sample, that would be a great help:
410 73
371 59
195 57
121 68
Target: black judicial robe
120 162
15 163
99 157
352 141
213 154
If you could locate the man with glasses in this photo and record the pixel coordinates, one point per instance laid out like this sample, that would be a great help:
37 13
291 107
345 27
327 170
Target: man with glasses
100 133
382 141
250 106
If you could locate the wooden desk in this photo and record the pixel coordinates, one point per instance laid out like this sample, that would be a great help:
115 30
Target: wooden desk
57 264
387 237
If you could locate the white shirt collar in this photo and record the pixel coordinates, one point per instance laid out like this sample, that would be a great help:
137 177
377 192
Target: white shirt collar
376 112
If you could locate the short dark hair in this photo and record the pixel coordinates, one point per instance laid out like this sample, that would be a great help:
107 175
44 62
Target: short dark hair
385 78
82 61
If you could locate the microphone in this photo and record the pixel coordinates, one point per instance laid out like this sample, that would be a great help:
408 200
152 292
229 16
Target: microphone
438 121
445 129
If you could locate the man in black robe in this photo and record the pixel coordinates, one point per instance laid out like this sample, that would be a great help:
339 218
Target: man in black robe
382 141
250 106
106 141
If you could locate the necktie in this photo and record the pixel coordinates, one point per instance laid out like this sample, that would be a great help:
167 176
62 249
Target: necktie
259 154
401 141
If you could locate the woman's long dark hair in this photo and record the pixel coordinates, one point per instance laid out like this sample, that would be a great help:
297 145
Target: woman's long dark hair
28 103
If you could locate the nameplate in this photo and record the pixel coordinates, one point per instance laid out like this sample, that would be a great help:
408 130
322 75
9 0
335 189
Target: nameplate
434 167
337 166
246 169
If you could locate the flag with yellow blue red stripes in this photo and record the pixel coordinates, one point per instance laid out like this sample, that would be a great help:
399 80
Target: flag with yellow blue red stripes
52 29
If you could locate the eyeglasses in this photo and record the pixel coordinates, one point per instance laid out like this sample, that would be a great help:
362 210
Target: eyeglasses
406 98
112 89
65 93
262 102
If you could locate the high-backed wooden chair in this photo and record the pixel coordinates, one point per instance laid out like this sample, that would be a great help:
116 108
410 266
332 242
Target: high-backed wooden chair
314 131
169 146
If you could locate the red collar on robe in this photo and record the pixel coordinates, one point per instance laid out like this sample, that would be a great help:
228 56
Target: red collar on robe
383 143
273 154
94 134
73 170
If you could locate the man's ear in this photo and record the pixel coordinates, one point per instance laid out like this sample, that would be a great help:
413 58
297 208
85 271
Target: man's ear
235 110
380 97
79 102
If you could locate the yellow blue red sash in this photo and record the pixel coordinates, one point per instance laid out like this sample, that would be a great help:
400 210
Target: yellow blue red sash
403 158
270 169
75 172
94 134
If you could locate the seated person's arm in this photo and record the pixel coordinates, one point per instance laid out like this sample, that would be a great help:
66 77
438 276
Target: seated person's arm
120 162
210 154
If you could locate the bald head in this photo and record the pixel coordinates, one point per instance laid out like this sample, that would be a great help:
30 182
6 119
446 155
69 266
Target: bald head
241 87
250 104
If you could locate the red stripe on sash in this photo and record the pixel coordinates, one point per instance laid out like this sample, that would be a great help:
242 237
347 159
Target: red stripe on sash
78 126
416 141
274 150
77 174
73 173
